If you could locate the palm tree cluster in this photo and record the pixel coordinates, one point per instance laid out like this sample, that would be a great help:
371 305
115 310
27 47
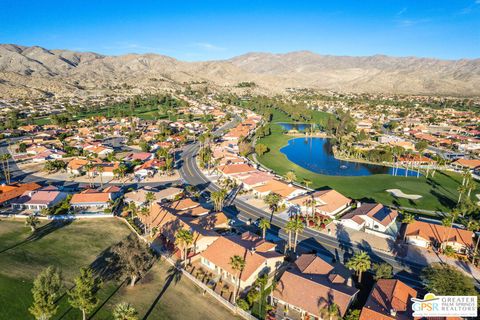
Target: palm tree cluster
5 158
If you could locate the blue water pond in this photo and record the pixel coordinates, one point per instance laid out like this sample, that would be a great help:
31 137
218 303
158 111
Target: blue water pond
315 154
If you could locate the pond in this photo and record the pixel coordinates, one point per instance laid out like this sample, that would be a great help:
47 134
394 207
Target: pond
315 154
287 126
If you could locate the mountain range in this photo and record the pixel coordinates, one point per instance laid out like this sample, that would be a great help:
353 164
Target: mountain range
36 71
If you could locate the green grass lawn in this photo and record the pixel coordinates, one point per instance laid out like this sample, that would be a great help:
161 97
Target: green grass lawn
71 246
439 193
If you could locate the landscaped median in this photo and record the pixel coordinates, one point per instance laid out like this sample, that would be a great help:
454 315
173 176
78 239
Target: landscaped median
437 194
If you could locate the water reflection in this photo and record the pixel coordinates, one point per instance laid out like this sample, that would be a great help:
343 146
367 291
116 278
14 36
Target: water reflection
287 126
315 154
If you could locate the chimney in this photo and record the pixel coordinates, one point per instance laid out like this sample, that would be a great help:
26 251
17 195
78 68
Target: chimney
252 250
349 282
359 204
393 312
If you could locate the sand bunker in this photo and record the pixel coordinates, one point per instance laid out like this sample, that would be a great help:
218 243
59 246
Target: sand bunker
398 193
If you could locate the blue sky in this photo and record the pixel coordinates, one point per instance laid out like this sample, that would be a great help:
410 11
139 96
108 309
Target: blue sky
204 30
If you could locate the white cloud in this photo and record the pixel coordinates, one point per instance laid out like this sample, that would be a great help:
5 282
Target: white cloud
403 10
208 46
411 22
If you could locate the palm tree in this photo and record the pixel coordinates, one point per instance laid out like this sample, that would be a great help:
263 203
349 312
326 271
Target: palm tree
461 190
145 212
133 209
307 182
183 240
289 227
448 222
100 170
238 264
331 310
124 311
32 221
218 198
298 227
272 199
150 197
264 224
360 263
406 220
6 167
291 176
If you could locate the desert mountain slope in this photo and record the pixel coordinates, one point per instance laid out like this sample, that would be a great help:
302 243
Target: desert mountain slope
38 71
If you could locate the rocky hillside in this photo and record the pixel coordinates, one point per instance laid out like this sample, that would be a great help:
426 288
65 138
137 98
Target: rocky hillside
27 71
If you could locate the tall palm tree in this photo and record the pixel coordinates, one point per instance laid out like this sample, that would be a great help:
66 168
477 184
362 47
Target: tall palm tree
331 310
406 220
32 221
264 224
183 240
360 263
218 198
298 227
100 170
272 199
238 264
132 207
289 227
145 212
461 190
6 166
448 222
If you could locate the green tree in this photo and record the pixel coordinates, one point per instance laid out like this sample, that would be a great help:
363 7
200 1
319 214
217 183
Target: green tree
183 240
307 182
45 292
382 271
273 200
360 263
150 197
260 149
420 146
32 221
83 296
446 280
124 311
264 224
238 264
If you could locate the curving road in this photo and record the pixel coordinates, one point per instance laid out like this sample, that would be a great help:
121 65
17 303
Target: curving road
310 239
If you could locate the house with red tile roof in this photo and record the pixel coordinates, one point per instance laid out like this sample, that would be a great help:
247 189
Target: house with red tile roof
39 199
285 190
259 255
311 284
424 235
139 156
468 164
13 191
91 200
390 299
326 202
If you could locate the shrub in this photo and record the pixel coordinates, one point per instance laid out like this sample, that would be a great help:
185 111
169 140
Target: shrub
242 304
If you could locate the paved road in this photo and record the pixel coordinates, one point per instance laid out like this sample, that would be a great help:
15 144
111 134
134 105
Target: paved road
309 239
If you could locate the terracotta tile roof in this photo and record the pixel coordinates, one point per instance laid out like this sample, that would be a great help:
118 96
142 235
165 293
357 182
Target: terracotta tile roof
436 232
388 295
9 192
276 186
327 200
312 291
90 197
236 168
220 252
469 163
